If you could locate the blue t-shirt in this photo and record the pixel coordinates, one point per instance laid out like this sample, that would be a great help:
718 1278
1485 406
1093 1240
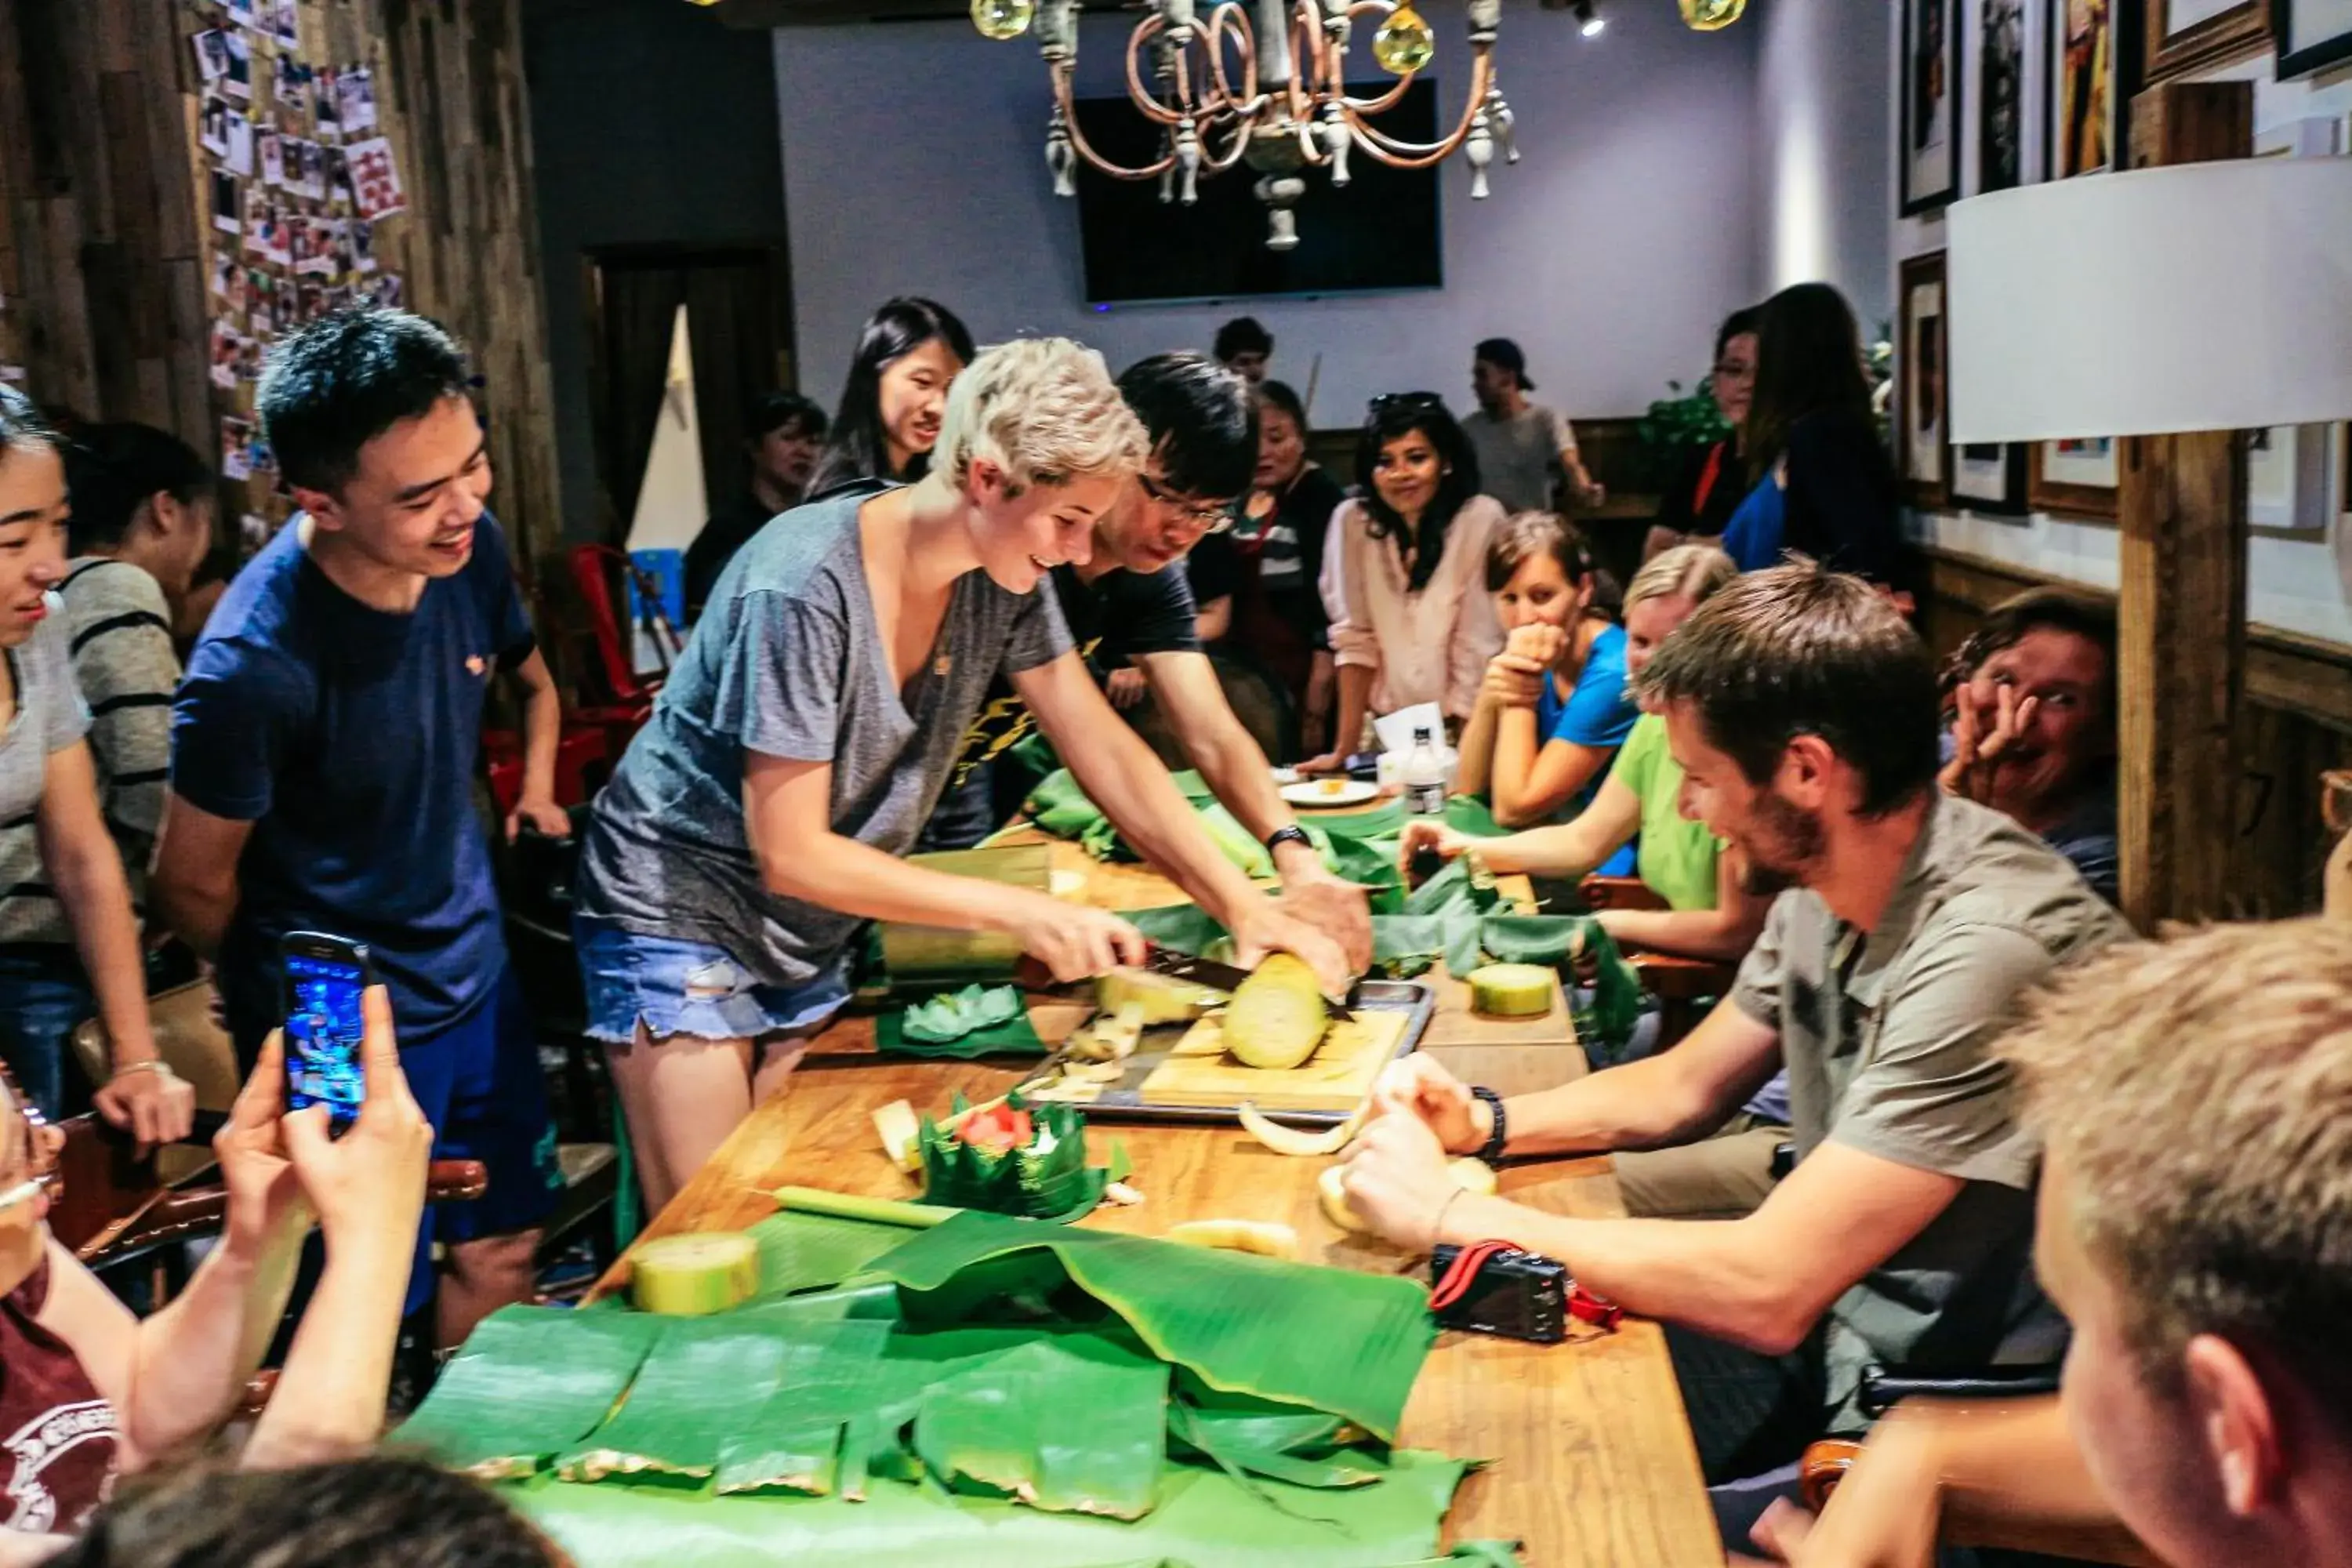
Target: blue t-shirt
348 736
1753 536
1600 712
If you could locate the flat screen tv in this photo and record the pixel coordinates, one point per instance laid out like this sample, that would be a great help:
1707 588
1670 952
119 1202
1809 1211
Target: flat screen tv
1378 234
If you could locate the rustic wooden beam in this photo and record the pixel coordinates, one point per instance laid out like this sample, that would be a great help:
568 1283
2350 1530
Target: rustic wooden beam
2181 655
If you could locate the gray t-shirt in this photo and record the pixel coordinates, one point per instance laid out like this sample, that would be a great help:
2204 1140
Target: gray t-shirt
1886 1034
1518 457
50 716
788 661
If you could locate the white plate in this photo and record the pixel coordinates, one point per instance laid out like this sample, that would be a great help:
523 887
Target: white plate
1330 795
1288 775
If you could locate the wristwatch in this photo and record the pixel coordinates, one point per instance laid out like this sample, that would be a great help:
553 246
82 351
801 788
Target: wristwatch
1491 1149
1293 834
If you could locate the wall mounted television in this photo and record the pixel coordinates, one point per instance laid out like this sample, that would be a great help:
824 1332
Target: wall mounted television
1380 234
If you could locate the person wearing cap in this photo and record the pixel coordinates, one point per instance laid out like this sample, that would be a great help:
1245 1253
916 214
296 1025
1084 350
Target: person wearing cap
1524 450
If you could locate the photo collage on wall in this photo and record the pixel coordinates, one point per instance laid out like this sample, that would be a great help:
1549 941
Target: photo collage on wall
298 174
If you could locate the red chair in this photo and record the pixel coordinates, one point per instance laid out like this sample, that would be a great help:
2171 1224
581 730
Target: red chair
626 701
582 762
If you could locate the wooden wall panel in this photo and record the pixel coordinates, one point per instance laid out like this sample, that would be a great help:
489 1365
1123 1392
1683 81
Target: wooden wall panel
105 225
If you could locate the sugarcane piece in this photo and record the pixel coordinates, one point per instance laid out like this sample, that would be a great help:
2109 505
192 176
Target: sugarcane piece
1277 1016
1291 1140
1262 1237
1511 990
1164 998
695 1275
901 1135
852 1205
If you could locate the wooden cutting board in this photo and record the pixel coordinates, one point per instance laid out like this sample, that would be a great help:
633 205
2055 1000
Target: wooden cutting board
1336 1078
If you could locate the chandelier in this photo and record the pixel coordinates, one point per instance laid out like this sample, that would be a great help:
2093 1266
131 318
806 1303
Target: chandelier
1272 94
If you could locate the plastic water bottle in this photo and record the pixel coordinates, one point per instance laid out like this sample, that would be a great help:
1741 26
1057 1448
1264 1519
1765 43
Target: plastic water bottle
1424 776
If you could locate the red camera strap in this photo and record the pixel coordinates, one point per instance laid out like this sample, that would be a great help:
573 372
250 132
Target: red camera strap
1582 1304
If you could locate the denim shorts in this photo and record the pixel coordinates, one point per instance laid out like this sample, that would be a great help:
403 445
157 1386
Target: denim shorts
679 987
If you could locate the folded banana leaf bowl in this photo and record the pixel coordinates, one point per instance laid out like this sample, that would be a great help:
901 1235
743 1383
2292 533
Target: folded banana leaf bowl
915 1384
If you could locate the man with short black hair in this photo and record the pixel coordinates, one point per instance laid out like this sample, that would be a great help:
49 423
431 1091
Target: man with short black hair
1245 348
1802 710
784 438
323 762
1526 451
1131 613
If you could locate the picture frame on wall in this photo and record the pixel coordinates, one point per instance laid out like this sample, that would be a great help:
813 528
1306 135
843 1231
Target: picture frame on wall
2082 94
2310 35
1989 480
1929 155
2292 482
2004 73
1922 449
2074 479
2184 36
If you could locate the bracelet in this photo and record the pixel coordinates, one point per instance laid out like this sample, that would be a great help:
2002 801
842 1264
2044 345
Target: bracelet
1292 833
155 1065
1492 1149
1437 1225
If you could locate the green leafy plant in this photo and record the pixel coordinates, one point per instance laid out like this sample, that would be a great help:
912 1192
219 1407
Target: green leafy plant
1685 420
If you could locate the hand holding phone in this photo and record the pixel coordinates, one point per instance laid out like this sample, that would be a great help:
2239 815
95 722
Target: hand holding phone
325 976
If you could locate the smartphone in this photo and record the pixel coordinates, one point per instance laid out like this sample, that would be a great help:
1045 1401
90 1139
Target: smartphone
325 976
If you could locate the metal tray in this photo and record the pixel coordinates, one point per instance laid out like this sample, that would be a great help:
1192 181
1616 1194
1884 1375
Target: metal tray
1124 1100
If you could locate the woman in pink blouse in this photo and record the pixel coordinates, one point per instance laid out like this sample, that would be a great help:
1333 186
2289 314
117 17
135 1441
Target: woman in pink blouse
1410 619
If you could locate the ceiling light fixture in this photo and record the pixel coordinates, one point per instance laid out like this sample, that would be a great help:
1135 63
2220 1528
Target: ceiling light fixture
1592 24
1265 84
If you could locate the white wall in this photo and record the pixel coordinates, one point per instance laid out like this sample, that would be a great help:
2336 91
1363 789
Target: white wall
914 163
2294 585
1823 119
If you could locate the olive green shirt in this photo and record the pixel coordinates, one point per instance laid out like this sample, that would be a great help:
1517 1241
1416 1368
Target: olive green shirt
1886 1034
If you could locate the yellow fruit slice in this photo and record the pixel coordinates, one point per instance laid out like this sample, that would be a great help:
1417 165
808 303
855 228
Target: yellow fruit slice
1472 1176
1277 1016
1331 1192
1511 990
901 1135
695 1275
1293 1140
1260 1236
1164 998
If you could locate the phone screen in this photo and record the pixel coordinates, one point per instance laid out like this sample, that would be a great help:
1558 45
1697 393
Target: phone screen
322 1035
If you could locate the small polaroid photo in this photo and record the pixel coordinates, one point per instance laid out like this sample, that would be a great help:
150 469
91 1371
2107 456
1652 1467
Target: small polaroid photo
278 237
314 170
272 149
240 12
212 56
294 83
212 125
236 447
221 364
261 301
249 359
227 206
355 97
238 80
238 156
327 103
227 277
362 235
375 181
389 291
289 31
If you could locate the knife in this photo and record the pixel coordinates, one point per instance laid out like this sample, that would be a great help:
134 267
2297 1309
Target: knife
1216 976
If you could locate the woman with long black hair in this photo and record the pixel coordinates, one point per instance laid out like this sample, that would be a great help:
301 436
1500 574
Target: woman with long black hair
910 350
1822 482
1403 570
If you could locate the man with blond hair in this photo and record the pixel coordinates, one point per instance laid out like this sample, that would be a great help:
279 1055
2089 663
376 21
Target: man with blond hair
760 818
2194 1097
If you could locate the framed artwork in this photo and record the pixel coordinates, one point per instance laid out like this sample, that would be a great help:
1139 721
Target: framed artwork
1922 453
1989 480
2291 470
1930 155
1998 153
2073 478
2083 91
2189 35
2310 34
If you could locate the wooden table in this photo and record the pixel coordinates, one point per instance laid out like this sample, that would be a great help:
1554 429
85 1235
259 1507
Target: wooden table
1592 1461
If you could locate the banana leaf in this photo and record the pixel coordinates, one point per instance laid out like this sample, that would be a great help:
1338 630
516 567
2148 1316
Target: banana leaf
706 1377
954 1014
1071 1424
530 1383
1180 927
794 1441
1018 1038
800 1252
1452 891
1332 1340
1385 820
1468 814
1204 1520
1279 1443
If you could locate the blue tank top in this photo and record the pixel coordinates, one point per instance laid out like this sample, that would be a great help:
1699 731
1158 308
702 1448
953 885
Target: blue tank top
1753 536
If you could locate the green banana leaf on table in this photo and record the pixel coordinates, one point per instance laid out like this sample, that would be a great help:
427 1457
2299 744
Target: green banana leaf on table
977 1021
1173 1405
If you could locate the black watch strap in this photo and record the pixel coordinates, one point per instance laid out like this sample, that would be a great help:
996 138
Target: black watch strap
1492 1149
1293 834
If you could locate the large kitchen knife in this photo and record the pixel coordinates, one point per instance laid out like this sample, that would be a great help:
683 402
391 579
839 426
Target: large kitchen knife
1216 976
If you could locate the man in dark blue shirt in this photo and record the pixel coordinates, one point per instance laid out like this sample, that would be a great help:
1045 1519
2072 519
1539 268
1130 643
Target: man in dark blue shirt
322 756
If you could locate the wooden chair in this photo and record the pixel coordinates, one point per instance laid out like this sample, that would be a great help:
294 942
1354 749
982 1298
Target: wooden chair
1684 986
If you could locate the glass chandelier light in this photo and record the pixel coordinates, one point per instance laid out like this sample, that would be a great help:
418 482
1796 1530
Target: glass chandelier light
1271 93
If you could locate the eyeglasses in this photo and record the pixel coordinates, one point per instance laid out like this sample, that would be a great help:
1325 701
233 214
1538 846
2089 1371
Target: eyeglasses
1209 517
1726 371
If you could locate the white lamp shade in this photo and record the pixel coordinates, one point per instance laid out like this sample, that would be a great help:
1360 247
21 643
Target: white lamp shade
2196 297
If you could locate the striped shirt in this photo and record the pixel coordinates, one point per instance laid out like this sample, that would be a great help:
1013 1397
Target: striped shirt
118 632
